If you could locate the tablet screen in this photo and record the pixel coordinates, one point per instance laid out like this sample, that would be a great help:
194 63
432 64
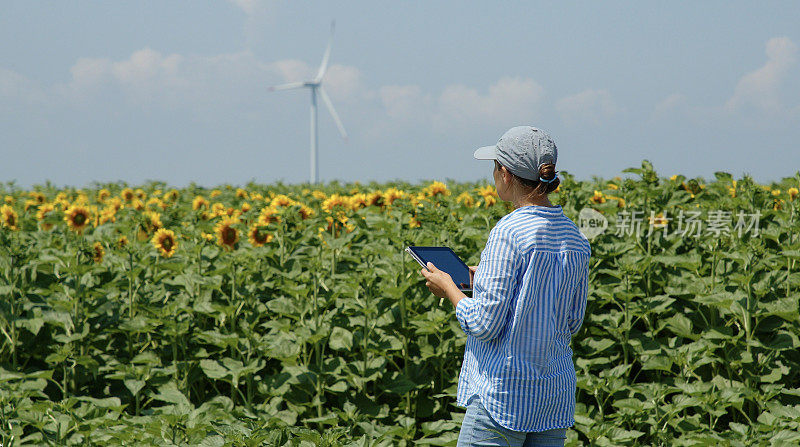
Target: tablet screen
444 259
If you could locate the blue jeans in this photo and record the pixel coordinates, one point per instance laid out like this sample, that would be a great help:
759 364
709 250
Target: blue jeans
480 430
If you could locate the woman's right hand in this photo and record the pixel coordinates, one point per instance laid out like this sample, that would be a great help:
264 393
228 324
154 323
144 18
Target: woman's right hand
472 270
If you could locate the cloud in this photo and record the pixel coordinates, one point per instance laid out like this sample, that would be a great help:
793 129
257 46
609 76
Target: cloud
205 86
294 70
403 102
761 89
145 77
251 7
151 78
15 89
673 104
257 14
587 107
510 99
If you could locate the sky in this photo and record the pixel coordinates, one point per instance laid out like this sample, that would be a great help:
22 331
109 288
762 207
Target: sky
178 91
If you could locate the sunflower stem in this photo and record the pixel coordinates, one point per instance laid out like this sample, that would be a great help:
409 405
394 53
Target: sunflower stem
130 300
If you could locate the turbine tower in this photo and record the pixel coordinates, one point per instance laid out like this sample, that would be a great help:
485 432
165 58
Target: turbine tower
316 88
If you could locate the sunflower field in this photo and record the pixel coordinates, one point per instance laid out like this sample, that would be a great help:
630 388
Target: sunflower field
289 315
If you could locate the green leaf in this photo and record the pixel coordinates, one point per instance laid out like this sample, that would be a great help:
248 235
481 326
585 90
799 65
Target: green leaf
169 392
680 325
31 324
134 385
213 370
341 339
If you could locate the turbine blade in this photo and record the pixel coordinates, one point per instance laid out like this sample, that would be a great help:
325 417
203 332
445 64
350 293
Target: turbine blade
288 86
323 67
336 119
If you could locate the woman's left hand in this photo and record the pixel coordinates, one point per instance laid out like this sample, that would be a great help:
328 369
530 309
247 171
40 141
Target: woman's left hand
438 281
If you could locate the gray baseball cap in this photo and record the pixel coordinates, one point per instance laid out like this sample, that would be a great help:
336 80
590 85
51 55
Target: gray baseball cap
522 150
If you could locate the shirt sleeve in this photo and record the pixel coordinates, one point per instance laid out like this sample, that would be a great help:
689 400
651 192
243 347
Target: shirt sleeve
485 314
578 307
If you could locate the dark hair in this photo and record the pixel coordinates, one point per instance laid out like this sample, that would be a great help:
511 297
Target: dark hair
536 187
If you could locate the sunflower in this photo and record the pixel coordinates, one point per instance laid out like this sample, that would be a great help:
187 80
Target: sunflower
227 235
152 222
281 200
38 197
659 221
241 193
489 195
30 203
598 197
41 214
171 195
215 193
9 217
413 222
102 195
357 201
258 236
127 194
81 198
375 198
334 201
268 215
207 236
155 202
233 213
165 243
122 242
246 207
114 202
107 215
218 209
95 215
693 187
793 193
436 189
338 223
305 212
137 204
43 210
620 201
199 202
392 194
319 195
465 199
9 200
77 217
97 252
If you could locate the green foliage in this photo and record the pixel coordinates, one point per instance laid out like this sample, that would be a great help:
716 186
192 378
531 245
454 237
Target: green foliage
327 336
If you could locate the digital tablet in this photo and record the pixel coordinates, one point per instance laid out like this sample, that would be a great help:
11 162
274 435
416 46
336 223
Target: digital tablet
446 260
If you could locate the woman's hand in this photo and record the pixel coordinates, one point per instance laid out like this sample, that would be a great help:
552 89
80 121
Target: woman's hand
438 282
441 284
472 270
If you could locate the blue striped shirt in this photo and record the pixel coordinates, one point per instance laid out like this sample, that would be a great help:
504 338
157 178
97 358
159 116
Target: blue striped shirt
529 299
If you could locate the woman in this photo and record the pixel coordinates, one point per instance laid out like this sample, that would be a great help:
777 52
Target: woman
517 378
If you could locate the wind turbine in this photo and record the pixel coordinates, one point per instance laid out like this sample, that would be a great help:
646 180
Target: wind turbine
316 87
